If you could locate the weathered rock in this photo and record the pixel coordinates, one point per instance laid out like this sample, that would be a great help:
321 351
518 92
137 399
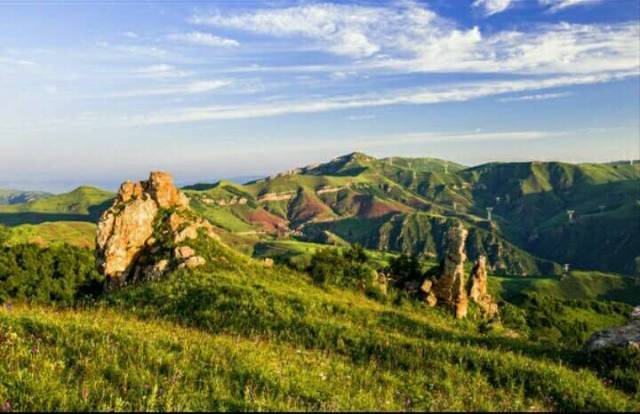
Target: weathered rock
627 336
268 262
126 242
478 287
450 287
193 262
184 252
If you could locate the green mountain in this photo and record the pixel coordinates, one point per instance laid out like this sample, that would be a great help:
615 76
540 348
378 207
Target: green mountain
81 204
404 204
18 197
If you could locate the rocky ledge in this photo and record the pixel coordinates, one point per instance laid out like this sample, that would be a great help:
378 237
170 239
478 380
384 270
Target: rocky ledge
627 336
145 232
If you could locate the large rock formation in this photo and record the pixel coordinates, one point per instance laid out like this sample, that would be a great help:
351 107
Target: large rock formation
138 236
478 287
627 336
450 287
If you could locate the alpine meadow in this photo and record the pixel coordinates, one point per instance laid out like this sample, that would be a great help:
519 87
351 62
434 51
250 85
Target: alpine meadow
319 205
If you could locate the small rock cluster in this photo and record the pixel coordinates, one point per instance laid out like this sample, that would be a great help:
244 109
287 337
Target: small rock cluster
450 287
147 218
627 336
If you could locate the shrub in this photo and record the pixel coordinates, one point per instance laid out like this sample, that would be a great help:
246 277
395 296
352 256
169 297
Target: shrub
405 269
57 274
349 268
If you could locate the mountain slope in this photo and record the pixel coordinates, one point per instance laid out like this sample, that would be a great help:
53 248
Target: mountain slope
17 197
241 336
81 204
392 204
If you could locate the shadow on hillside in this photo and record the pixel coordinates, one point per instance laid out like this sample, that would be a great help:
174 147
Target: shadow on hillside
16 219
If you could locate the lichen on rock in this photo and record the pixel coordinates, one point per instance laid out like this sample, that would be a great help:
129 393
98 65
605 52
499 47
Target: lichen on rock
139 236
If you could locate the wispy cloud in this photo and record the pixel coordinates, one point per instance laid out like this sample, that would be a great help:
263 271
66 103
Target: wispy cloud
491 7
203 39
446 93
409 37
191 88
5 60
537 97
365 117
557 5
425 137
160 71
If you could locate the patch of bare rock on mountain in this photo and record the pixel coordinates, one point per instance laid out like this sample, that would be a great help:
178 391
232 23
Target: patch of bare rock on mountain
627 336
450 286
146 231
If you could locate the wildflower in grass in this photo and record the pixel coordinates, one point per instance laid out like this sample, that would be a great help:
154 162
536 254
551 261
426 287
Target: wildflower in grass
34 350
9 306
85 393
6 407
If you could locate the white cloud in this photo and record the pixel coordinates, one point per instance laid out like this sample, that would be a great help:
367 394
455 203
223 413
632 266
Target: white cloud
536 97
130 35
408 37
16 62
444 93
203 39
160 71
360 117
341 29
557 5
419 137
491 7
190 88
149 51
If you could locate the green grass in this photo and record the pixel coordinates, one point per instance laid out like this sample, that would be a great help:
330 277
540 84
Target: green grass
81 204
237 335
298 252
577 285
75 233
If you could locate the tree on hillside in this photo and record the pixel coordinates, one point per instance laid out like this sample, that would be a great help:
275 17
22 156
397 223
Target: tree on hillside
405 269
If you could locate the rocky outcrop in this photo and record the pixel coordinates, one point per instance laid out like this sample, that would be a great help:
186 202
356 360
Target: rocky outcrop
627 336
139 236
450 286
478 287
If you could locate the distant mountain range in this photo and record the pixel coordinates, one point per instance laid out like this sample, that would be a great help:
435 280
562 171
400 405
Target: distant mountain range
543 214
17 197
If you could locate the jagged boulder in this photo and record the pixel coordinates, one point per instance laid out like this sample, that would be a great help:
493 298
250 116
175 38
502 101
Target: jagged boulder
478 287
139 236
627 336
450 286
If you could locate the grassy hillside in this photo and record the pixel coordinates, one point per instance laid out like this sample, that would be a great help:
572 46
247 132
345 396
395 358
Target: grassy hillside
81 204
237 335
76 233
576 285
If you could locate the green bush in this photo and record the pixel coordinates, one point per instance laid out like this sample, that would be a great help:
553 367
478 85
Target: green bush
405 269
350 268
58 274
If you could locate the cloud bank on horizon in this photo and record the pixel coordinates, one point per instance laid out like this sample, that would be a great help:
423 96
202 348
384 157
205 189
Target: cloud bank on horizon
198 74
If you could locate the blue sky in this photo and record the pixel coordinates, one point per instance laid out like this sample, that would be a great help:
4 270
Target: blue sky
97 91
